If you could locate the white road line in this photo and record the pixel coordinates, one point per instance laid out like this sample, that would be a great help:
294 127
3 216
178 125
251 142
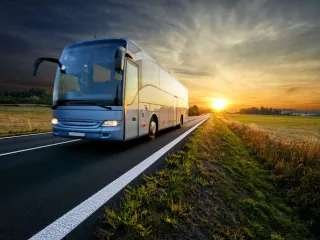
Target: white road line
69 221
44 146
25 135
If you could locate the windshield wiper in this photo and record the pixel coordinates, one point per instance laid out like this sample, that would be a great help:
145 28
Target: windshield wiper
79 102
59 103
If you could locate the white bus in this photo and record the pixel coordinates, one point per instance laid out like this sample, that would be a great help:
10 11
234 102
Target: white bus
111 89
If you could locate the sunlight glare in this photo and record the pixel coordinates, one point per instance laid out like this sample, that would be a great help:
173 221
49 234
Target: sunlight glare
219 104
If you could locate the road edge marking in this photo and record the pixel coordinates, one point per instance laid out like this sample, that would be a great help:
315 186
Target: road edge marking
73 218
24 135
44 146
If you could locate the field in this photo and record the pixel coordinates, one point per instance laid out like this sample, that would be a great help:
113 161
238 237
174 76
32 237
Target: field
24 119
230 181
290 127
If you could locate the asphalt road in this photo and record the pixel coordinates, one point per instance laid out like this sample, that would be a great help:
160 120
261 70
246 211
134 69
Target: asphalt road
41 185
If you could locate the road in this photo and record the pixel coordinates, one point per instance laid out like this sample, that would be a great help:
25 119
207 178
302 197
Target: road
43 183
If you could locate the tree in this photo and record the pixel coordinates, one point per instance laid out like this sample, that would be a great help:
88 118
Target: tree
262 111
33 95
194 111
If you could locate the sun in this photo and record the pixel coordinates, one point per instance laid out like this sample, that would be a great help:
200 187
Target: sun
219 104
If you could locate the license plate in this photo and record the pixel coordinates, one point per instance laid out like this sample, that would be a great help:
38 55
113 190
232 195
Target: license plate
76 134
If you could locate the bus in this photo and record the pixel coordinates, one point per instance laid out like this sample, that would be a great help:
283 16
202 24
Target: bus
111 89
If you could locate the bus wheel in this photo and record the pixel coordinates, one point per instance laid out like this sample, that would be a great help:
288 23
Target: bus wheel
181 122
152 128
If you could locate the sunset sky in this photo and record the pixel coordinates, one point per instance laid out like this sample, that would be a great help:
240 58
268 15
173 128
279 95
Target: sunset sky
250 52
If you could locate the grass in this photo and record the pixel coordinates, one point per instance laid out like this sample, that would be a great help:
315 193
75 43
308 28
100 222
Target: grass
24 119
216 188
295 165
297 127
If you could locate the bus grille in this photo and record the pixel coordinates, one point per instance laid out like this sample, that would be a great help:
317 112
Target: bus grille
82 124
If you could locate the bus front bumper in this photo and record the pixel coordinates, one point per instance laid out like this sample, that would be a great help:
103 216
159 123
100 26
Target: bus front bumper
101 133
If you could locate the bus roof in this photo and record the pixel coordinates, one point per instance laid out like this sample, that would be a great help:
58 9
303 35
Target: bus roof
141 56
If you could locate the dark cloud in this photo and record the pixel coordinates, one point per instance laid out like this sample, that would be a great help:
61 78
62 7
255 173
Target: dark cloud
237 46
293 89
12 45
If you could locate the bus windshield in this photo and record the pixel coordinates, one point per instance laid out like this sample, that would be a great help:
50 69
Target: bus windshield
89 75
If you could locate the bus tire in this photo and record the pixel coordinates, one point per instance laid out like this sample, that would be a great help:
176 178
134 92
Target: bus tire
152 128
181 122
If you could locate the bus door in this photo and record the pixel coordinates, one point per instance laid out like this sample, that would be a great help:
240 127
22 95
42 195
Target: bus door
131 101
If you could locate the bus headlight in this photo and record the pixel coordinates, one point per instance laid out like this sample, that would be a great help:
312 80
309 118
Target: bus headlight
109 123
54 121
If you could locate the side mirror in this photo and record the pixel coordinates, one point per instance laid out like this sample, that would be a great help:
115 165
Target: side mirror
53 60
119 56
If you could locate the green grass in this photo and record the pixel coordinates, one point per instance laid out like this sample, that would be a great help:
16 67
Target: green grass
24 119
214 189
294 165
296 127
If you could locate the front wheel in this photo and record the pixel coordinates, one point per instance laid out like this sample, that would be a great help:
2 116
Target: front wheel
152 128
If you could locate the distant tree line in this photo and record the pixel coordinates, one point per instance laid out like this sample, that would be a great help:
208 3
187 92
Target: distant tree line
193 111
196 111
30 96
261 110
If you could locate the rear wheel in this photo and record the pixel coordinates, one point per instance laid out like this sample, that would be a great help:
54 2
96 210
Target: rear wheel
152 128
181 122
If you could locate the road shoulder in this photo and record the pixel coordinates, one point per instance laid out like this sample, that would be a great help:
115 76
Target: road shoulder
213 188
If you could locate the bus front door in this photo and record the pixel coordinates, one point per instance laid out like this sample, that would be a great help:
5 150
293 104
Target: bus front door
131 101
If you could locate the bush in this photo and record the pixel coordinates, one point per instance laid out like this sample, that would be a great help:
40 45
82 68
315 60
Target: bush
194 111
33 95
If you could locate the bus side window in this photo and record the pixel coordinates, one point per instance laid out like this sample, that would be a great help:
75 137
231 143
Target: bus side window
133 48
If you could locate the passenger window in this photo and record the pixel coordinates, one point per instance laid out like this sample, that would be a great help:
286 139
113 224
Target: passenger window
133 48
150 74
131 83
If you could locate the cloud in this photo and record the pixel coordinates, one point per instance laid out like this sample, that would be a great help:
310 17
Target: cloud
230 49
293 89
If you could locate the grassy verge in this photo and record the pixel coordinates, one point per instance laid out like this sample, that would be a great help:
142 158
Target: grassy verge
213 189
15 120
294 165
